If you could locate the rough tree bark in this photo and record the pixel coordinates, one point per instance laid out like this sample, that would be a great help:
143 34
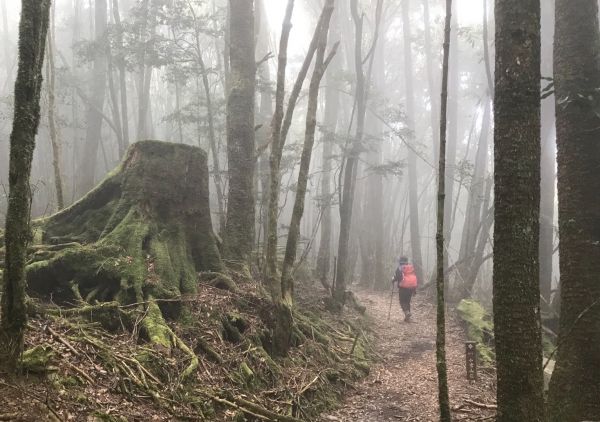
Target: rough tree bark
516 212
33 28
442 372
575 383
238 236
87 167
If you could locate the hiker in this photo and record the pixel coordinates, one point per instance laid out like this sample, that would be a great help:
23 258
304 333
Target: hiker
406 279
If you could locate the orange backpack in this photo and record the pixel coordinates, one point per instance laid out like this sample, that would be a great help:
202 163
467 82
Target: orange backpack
409 278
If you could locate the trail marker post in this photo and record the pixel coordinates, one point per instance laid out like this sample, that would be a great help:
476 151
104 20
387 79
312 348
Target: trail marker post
471 360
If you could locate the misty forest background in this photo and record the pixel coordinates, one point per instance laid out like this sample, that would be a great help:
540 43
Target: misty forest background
339 136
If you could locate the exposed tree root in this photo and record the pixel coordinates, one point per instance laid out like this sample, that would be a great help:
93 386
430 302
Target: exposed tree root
140 237
250 408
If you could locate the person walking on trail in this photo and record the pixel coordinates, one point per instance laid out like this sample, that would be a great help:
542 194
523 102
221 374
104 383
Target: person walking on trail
407 282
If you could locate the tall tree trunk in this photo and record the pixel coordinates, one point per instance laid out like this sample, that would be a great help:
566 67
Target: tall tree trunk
321 63
516 212
122 79
280 126
374 193
265 114
212 136
351 164
238 235
54 132
142 71
332 104
442 372
575 384
32 40
474 204
87 170
453 92
413 179
275 157
432 87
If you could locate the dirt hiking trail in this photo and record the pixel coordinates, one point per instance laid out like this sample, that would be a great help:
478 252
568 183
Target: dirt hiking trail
402 384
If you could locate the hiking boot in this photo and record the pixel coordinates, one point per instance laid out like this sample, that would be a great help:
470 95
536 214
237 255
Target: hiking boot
407 317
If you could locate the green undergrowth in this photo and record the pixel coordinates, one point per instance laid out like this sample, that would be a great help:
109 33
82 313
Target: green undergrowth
90 363
480 328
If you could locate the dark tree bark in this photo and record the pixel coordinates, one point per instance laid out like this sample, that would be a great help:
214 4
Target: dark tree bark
32 41
87 168
441 366
516 212
238 235
575 384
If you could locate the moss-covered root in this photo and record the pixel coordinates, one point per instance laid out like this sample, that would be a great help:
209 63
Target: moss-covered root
159 333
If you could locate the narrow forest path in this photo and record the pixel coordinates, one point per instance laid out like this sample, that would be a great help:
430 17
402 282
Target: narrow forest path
402 385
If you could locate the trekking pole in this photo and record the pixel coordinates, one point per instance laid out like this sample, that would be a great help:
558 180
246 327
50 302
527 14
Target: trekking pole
391 300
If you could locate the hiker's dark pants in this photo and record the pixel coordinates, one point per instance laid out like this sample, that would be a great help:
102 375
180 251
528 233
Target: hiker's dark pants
405 298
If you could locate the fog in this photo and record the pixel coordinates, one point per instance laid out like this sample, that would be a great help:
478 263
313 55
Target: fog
159 61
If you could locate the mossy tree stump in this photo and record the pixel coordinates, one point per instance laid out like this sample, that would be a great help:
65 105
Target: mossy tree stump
141 236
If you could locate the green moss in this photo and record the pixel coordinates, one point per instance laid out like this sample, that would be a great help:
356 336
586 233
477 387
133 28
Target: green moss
146 232
480 327
155 326
37 359
98 416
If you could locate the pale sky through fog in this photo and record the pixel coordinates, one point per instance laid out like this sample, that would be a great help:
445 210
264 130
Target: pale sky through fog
470 12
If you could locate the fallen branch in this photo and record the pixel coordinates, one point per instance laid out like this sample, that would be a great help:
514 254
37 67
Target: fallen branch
63 341
481 405
252 409
235 406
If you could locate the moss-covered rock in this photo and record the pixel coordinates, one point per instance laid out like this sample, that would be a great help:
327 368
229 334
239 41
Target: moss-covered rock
480 327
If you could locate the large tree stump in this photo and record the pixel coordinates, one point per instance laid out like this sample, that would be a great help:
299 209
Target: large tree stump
143 234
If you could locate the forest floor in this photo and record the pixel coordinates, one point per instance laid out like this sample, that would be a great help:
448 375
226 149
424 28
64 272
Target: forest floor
402 385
